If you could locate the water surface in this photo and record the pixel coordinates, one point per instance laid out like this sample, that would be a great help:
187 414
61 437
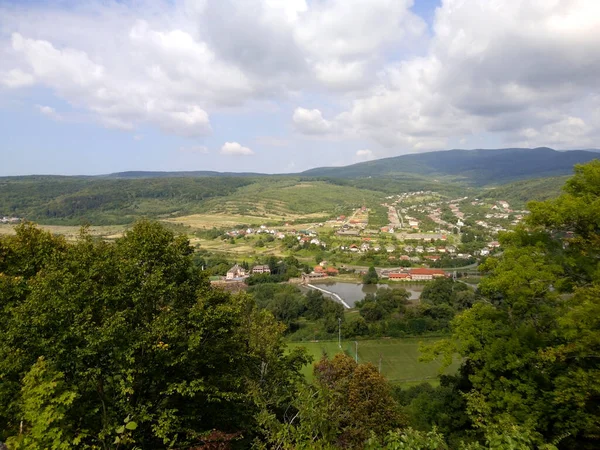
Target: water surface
353 292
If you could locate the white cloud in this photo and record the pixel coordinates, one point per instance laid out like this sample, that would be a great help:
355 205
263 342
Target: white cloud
235 149
311 121
516 69
364 155
16 78
48 111
520 71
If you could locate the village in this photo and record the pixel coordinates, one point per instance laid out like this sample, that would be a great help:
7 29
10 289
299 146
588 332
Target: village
426 237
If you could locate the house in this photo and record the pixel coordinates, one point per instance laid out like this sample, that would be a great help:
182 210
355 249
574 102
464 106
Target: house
332 271
405 258
494 244
451 249
432 257
353 248
409 249
431 250
400 277
419 249
390 249
261 268
484 251
235 272
426 274
347 232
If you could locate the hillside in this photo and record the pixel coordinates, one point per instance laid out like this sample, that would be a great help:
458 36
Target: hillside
107 201
523 191
476 167
122 198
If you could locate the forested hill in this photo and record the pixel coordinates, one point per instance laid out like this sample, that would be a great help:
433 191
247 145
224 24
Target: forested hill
478 167
187 174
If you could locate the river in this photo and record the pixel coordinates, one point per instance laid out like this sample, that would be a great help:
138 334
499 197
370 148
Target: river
353 292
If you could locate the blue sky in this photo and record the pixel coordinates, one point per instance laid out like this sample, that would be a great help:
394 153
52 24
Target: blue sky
92 87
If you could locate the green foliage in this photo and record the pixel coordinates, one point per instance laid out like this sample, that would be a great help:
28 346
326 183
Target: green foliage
378 216
136 346
347 403
46 401
530 349
79 200
371 276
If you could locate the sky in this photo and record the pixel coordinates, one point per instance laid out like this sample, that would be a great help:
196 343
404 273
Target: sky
102 86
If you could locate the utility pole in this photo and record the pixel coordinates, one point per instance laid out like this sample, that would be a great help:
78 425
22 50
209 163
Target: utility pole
339 332
356 357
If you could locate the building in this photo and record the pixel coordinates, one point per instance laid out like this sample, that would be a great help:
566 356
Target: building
400 277
426 274
235 272
261 268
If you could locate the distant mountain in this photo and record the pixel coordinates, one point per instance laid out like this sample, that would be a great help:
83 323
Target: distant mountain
478 167
189 174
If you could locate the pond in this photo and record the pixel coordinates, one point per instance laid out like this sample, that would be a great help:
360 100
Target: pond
353 292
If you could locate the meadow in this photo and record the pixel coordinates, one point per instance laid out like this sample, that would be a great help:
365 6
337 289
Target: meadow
399 358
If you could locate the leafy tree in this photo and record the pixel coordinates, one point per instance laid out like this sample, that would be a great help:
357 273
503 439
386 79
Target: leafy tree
347 403
371 276
129 332
531 348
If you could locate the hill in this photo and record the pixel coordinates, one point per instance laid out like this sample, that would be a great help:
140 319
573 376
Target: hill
521 192
134 174
476 167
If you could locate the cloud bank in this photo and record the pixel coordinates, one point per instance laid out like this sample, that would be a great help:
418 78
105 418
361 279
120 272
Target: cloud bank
518 72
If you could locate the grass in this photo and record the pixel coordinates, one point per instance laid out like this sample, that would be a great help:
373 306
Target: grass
289 197
399 358
72 232
227 220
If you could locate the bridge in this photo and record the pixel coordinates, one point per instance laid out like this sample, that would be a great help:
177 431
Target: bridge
332 294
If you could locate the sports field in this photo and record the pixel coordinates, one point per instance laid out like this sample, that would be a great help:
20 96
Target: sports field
399 357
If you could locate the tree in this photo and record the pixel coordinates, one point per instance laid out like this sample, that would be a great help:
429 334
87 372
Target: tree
346 405
531 347
129 331
371 276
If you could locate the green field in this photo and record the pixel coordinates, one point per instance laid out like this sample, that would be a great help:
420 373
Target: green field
399 357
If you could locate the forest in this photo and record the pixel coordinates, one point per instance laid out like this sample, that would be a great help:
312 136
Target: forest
126 345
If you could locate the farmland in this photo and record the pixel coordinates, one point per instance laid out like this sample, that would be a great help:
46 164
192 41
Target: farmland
399 357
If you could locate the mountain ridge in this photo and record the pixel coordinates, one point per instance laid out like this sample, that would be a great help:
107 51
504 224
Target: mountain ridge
477 166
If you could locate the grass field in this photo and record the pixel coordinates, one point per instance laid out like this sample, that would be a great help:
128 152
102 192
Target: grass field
224 220
72 232
288 197
399 358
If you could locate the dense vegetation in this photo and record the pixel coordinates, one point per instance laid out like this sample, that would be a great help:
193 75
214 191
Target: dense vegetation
521 192
80 200
322 193
477 167
126 345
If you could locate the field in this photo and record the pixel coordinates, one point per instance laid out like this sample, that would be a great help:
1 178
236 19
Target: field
224 220
288 197
72 232
399 357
